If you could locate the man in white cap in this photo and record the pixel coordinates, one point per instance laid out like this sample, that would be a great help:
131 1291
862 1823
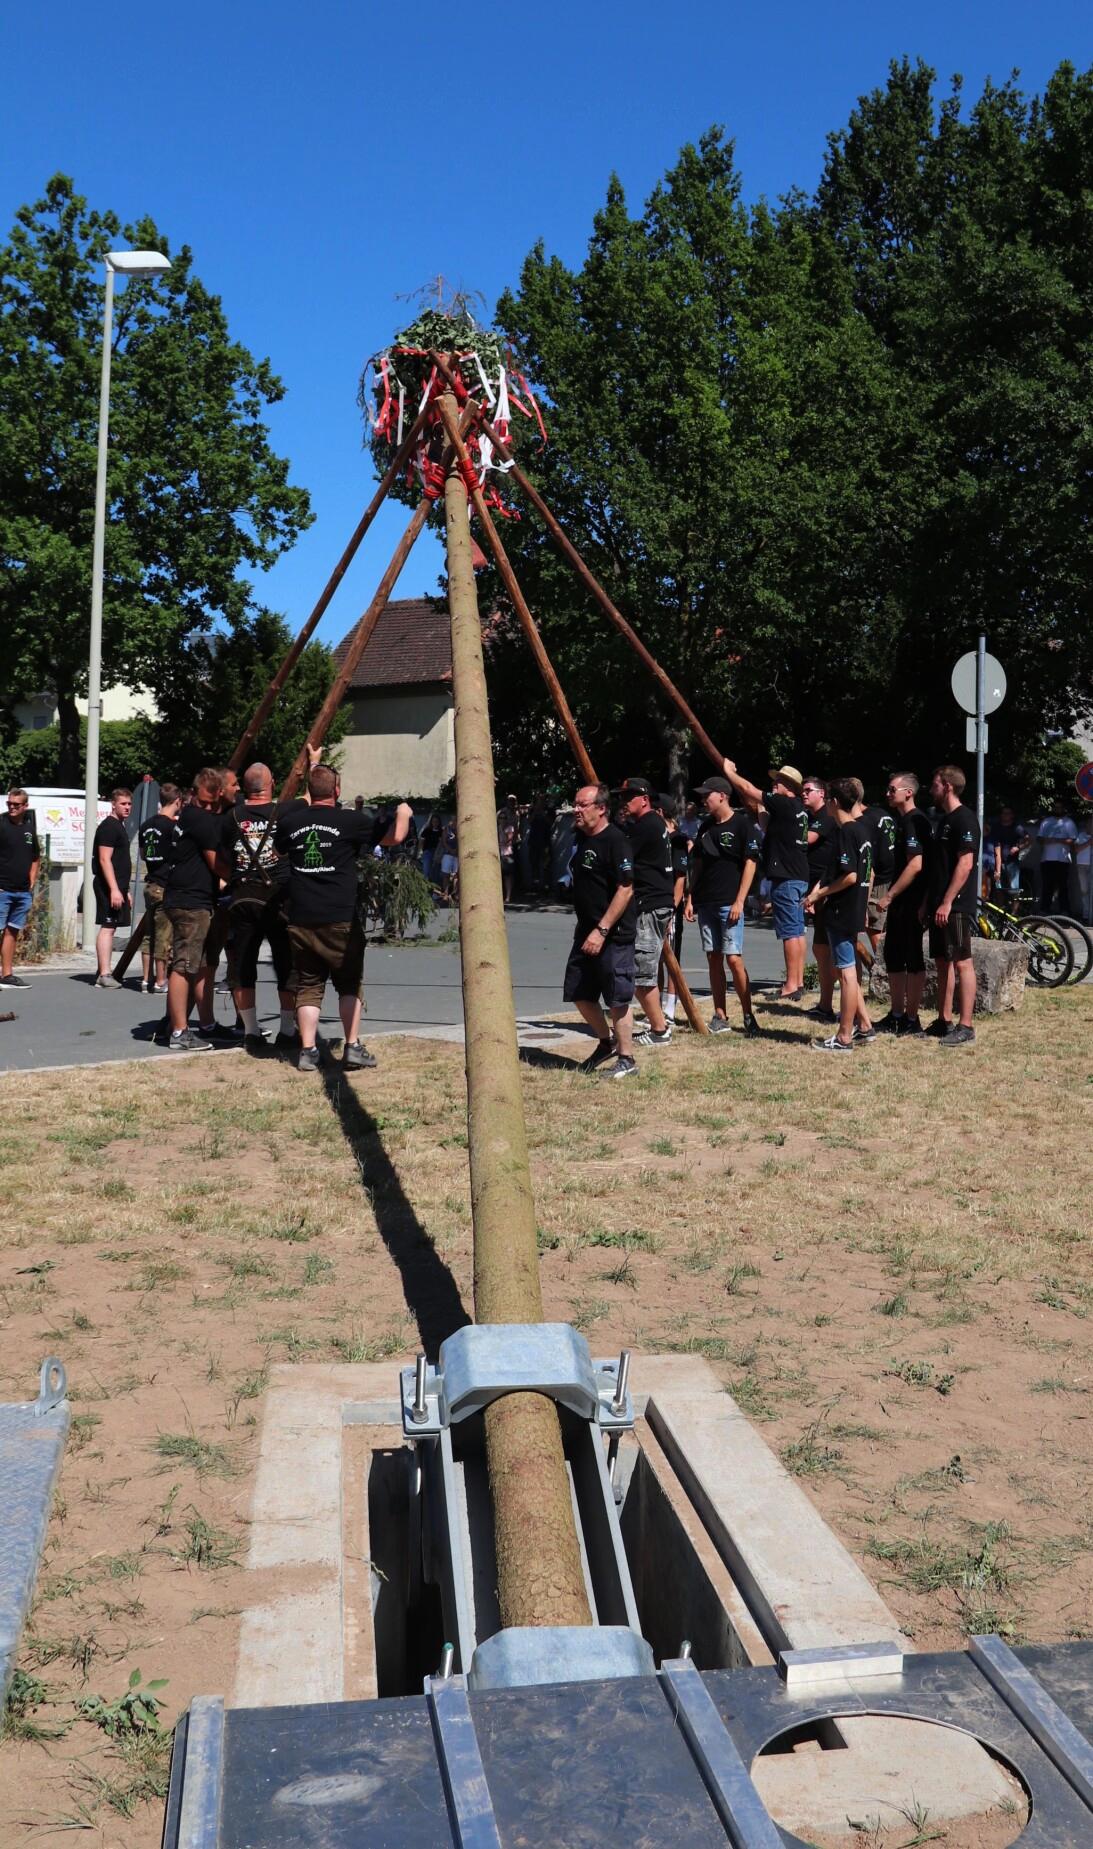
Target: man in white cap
785 862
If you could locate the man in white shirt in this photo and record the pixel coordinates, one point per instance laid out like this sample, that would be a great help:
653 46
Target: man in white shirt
1057 834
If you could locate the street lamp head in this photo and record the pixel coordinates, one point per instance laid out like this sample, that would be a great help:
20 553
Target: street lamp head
137 262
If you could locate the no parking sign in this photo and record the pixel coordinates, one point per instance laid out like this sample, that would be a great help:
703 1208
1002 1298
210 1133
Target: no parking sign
1083 783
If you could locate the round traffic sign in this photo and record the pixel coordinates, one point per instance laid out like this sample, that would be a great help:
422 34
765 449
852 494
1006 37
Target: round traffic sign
1083 783
994 683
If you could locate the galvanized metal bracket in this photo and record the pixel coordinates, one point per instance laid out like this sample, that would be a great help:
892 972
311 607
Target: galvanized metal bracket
482 1362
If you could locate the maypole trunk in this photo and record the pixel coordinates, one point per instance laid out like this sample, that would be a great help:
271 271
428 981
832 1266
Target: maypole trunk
539 1575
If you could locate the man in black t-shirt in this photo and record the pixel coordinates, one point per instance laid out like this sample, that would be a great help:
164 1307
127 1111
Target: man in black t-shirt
189 899
680 844
722 868
843 893
904 904
112 865
882 837
651 852
822 830
257 889
952 905
157 845
19 858
321 843
785 863
601 962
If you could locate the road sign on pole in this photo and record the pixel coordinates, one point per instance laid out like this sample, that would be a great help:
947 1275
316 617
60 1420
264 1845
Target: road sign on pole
971 735
964 681
1083 783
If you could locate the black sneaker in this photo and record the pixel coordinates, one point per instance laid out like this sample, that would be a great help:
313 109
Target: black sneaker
864 1034
820 1013
719 1025
938 1029
912 1028
356 1057
958 1036
600 1054
214 1033
622 1068
752 1029
833 1045
891 1024
649 1037
308 1059
17 982
256 1045
287 1043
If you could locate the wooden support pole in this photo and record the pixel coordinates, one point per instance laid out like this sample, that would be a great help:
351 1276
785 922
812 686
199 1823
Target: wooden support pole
550 678
266 703
590 582
539 1575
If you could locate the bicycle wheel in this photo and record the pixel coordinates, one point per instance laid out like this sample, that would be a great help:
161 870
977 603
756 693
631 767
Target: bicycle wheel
1050 952
1080 940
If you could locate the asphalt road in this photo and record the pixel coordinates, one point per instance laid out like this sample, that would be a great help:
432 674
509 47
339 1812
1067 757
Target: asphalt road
63 1020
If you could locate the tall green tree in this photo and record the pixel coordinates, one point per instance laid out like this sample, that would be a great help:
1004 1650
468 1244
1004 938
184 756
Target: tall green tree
196 496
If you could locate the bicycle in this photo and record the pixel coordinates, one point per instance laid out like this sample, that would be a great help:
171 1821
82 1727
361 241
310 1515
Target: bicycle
1050 951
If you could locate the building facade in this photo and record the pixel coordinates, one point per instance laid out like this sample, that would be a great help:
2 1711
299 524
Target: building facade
401 737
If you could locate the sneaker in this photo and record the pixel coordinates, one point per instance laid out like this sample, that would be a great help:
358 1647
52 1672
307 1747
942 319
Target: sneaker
188 1042
911 1028
649 1037
356 1057
308 1060
820 1013
287 1043
833 1045
256 1045
719 1025
159 988
213 1032
864 1033
752 1029
622 1068
20 982
959 1036
891 1024
793 995
938 1029
600 1054
107 982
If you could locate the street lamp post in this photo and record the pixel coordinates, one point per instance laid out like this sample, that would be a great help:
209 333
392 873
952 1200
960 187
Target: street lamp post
118 263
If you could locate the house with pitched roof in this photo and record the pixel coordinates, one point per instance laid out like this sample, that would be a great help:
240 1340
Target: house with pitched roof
401 737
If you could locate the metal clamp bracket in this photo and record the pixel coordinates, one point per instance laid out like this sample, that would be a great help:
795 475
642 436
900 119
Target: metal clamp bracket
52 1386
484 1361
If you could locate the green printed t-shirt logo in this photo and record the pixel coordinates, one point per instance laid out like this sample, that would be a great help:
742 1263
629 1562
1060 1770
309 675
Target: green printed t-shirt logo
313 853
588 858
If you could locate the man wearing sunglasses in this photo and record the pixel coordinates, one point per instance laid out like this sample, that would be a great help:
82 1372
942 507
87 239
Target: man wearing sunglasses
19 857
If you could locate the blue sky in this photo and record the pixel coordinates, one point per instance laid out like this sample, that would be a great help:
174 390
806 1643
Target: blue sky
301 152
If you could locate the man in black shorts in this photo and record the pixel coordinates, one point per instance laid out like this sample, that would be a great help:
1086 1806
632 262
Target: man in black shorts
651 852
322 843
113 870
157 845
952 907
193 882
257 890
882 836
904 906
601 962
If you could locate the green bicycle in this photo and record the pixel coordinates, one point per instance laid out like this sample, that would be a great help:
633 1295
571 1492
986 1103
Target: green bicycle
1050 950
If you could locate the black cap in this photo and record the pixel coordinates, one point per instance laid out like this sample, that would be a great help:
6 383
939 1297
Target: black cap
720 784
636 786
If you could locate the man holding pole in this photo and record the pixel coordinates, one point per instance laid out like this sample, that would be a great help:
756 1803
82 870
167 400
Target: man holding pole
601 962
785 863
723 862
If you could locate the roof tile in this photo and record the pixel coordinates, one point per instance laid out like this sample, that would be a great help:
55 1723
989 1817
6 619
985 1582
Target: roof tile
411 645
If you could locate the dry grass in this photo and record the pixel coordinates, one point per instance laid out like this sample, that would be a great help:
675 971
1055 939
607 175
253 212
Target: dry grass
883 1258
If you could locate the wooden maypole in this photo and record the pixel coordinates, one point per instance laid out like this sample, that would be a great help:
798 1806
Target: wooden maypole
539 1575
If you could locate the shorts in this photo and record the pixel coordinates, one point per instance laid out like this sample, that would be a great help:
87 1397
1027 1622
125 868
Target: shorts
819 930
252 922
719 936
14 910
157 921
903 953
608 978
844 950
217 936
449 865
653 928
952 943
188 933
787 899
876 920
110 915
325 953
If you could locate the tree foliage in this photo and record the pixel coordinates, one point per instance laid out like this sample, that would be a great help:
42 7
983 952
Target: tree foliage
196 495
812 450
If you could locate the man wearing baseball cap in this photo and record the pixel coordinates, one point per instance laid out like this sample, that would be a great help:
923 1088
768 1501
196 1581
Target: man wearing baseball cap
785 862
651 852
722 867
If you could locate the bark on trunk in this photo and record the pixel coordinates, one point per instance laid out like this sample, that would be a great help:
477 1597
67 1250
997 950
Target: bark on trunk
69 757
539 1575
